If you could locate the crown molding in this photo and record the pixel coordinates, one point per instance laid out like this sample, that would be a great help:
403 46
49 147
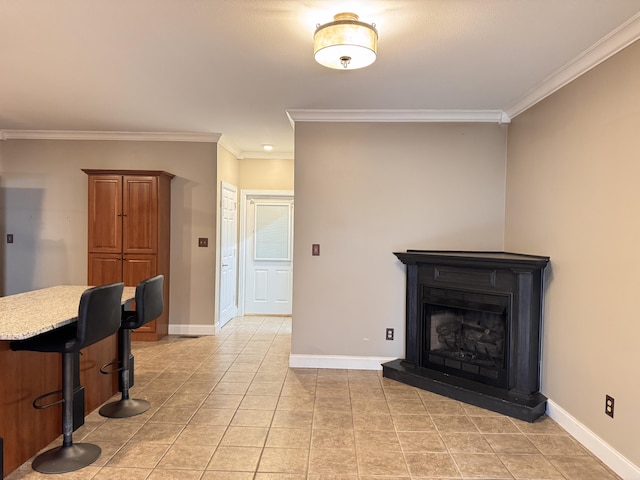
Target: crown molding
609 45
229 146
406 115
97 135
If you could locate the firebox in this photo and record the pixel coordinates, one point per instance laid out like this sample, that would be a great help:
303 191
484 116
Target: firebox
473 323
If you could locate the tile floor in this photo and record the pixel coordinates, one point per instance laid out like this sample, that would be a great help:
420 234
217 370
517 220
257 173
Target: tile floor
227 407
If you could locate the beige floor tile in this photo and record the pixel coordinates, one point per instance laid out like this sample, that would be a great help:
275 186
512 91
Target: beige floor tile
259 388
359 404
259 402
332 420
543 425
245 437
113 432
289 438
201 435
223 401
466 443
333 404
406 406
158 433
373 421
481 465
111 473
210 475
213 416
557 445
231 388
284 460
280 476
454 423
138 455
301 404
332 438
175 475
530 466
443 407
381 463
235 459
252 418
413 423
187 457
581 468
431 465
421 442
381 440
286 419
511 443
488 424
179 415
335 462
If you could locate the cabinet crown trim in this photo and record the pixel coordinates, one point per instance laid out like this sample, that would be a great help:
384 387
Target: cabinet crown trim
92 171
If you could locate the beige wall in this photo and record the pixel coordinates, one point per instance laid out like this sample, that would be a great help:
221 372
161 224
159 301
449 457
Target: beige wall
266 174
573 193
366 190
45 195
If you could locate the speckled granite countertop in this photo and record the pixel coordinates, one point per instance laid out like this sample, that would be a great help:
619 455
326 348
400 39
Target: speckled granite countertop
28 314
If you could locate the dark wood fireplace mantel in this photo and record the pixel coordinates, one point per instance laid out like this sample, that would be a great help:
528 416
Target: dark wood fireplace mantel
510 283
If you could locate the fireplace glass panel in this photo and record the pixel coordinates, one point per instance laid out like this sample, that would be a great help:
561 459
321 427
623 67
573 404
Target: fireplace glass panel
466 337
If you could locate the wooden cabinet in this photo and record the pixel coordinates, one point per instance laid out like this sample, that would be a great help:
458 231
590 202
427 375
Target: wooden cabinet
129 233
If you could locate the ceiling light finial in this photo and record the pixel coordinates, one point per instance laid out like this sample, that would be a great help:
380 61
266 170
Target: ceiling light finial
346 43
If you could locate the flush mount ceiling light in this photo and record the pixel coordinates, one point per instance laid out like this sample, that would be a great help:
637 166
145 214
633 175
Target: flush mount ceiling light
345 43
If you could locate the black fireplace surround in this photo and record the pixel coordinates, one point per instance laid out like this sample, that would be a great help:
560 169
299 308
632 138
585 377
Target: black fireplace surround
473 323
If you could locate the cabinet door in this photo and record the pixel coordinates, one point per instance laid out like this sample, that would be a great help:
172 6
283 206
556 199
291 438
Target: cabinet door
140 214
136 268
105 268
105 213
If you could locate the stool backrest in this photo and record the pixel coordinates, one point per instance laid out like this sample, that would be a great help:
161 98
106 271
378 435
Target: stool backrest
99 313
149 300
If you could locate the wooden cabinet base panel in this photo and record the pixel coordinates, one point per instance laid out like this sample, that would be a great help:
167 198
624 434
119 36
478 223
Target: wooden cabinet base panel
146 336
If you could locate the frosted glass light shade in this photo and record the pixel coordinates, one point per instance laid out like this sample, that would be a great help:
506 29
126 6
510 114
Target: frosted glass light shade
345 43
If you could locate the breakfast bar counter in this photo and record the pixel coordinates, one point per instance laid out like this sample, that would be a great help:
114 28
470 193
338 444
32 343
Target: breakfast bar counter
25 375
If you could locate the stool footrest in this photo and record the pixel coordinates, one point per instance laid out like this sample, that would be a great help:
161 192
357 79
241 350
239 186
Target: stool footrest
104 371
40 406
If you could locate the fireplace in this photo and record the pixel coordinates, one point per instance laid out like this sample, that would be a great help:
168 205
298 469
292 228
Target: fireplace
473 325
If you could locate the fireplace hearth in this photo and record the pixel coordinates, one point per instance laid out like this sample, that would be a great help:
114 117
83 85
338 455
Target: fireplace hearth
473 324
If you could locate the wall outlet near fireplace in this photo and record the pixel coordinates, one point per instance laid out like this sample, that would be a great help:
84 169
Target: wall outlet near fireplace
389 333
608 405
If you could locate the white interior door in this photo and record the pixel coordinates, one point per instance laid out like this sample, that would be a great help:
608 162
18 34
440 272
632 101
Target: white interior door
269 256
228 253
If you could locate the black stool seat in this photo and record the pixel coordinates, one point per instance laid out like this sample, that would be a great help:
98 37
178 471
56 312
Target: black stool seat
98 318
149 306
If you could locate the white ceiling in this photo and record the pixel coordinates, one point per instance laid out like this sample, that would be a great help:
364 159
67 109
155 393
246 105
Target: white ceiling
235 67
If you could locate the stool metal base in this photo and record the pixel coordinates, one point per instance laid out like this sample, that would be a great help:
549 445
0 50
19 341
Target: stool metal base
124 408
66 459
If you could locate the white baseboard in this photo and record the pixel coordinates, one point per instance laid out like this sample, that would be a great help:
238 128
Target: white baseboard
192 330
601 449
337 361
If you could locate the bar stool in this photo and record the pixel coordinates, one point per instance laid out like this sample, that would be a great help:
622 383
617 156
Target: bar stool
149 306
98 318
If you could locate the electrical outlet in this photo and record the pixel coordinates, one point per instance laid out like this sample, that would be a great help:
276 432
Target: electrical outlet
389 333
203 242
608 405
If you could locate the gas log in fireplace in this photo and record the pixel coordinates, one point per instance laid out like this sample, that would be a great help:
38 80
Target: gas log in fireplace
473 325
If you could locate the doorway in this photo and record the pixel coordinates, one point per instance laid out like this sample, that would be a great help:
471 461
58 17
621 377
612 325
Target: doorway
228 252
266 252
